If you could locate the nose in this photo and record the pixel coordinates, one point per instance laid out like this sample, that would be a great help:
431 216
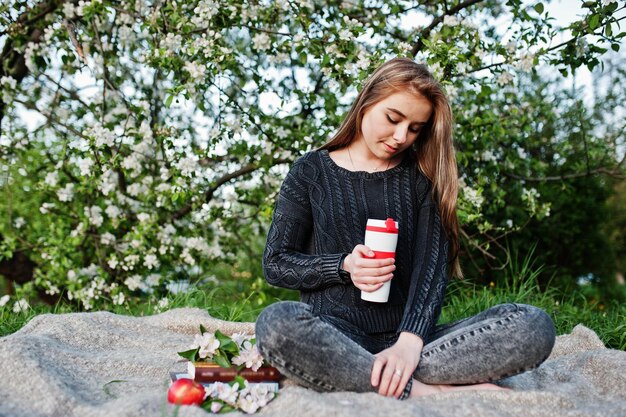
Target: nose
400 134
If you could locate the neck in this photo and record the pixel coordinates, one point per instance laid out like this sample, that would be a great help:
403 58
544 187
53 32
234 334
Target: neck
363 160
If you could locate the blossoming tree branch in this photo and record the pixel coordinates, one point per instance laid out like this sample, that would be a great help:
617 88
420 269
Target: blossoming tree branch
143 140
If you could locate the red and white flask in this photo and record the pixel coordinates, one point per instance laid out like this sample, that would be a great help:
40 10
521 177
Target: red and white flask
381 236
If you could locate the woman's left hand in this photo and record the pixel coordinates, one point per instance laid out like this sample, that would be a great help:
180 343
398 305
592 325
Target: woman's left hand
395 365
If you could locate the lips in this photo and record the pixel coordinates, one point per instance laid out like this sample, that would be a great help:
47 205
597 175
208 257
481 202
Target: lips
390 148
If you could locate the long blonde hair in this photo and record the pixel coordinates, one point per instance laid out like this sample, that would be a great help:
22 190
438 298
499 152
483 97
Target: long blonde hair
434 148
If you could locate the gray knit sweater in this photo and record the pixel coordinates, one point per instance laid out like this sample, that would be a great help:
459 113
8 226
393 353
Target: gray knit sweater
320 216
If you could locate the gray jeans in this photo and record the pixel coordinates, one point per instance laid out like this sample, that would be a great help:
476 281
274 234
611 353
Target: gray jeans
329 354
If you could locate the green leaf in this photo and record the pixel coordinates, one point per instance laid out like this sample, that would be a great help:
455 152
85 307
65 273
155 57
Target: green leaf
594 21
190 355
239 380
168 100
539 8
105 387
221 360
608 31
202 329
615 47
226 343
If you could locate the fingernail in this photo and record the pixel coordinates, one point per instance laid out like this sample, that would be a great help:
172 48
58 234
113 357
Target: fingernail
370 253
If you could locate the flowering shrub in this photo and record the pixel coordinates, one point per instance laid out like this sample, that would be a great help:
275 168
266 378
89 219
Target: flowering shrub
142 142
238 350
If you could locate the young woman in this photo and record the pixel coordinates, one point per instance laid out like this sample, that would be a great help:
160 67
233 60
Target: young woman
392 157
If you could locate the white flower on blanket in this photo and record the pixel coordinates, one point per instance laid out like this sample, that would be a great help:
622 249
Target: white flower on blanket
208 344
240 338
226 392
249 354
253 397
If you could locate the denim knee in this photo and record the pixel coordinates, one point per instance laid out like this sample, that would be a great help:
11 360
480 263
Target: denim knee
273 322
541 331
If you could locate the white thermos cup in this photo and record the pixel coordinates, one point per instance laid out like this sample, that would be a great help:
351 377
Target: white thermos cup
381 236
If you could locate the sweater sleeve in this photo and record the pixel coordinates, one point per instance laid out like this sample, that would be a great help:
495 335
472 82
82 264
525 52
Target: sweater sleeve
429 276
287 259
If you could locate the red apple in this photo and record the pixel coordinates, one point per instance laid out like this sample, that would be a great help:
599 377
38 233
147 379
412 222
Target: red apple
185 392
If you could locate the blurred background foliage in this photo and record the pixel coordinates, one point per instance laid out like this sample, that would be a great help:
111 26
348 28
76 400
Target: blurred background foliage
142 144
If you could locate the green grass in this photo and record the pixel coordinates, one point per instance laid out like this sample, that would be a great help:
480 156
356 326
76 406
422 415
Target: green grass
465 299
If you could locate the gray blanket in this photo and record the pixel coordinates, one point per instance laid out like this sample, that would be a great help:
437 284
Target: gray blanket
102 364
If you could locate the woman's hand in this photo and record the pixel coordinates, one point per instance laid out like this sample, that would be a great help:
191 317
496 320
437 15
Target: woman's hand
395 365
368 274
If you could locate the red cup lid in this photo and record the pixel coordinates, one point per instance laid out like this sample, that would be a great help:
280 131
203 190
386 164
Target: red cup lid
390 224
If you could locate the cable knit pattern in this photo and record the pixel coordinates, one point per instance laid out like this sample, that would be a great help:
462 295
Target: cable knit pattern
320 216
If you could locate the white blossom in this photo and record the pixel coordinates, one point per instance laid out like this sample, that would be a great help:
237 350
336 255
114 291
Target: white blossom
253 397
525 62
52 178
4 300
136 189
133 282
113 211
187 166
582 47
52 289
20 306
171 42
195 70
227 393
163 303
132 162
207 343
151 261
249 355
118 299
204 12
504 78
488 156
510 47
84 165
473 196
102 135
345 34
108 182
107 238
94 214
152 280
79 144
30 52
8 85
113 262
261 41
66 193
216 407
281 132
19 222
240 338
449 20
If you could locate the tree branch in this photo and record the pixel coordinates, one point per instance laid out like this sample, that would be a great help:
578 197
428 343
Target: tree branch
427 31
208 195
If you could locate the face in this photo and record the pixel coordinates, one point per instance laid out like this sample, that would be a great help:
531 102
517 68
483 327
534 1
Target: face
393 124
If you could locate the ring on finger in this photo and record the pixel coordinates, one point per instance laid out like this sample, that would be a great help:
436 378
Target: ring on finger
398 372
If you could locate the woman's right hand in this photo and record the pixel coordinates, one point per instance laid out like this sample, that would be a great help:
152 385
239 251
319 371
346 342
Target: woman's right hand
368 274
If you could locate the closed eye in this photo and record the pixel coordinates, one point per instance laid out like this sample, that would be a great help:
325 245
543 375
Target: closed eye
412 129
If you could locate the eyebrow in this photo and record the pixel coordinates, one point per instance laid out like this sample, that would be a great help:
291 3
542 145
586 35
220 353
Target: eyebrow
402 114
